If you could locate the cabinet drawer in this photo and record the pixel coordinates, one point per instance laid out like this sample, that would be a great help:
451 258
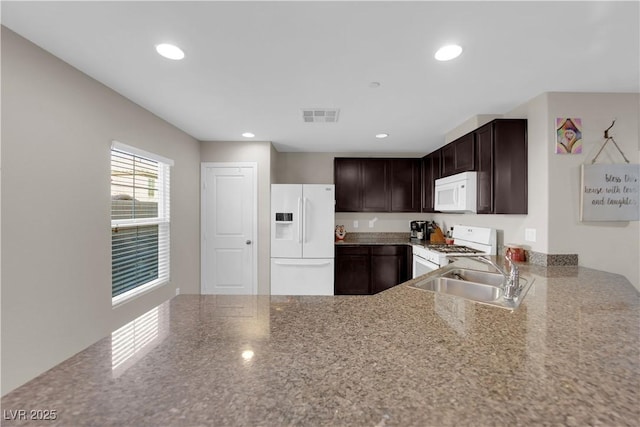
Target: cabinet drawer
388 250
352 250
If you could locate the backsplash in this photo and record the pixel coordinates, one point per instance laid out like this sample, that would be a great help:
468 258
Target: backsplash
379 222
549 260
382 237
532 257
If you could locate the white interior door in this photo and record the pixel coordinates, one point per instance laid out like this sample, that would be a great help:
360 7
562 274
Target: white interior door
229 228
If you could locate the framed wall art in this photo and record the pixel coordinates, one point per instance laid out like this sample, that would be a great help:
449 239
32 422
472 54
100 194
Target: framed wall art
610 192
568 135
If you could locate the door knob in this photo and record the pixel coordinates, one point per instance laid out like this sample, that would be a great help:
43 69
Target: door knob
248 242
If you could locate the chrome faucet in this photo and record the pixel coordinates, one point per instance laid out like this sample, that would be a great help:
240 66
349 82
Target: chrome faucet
511 282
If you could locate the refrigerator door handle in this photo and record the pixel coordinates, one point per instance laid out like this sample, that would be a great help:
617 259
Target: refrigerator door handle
310 263
299 220
305 203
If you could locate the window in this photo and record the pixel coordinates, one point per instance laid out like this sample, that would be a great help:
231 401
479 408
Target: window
139 221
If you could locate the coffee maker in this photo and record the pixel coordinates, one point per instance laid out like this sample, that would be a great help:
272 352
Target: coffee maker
419 231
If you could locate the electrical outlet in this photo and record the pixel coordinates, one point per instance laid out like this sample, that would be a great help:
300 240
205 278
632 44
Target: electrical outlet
530 234
355 224
177 291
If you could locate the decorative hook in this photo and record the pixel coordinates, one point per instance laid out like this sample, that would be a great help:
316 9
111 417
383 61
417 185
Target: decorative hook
608 138
606 131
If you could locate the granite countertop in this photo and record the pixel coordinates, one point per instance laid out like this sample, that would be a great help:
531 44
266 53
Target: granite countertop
570 355
375 239
384 238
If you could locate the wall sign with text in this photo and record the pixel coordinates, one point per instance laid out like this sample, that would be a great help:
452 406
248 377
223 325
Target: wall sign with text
610 192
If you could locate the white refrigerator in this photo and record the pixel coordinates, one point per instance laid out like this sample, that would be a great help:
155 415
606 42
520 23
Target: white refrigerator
302 239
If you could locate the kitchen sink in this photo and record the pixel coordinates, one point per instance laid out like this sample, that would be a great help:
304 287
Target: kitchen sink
479 286
484 277
461 288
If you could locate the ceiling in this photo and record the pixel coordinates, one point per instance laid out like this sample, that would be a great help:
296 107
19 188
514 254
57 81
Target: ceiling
253 66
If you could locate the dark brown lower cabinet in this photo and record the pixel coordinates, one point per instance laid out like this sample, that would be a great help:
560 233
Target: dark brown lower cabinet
369 269
353 270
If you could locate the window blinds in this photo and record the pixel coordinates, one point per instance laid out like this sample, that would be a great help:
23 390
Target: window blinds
140 230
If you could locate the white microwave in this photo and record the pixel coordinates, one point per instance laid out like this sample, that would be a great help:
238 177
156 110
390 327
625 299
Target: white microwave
457 193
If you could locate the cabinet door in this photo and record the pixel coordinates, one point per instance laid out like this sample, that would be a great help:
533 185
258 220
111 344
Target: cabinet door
510 166
407 272
387 267
348 180
353 267
430 172
448 159
375 185
465 151
484 166
405 185
458 156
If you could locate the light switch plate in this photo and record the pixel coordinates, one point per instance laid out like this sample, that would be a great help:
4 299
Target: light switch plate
355 224
177 291
530 234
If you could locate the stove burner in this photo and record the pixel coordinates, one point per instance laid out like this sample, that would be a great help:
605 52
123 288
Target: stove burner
447 249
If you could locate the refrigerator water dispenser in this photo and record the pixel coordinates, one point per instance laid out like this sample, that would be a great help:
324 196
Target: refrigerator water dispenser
284 226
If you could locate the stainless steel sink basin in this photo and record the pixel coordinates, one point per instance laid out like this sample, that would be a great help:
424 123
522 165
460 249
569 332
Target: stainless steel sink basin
461 288
484 277
474 285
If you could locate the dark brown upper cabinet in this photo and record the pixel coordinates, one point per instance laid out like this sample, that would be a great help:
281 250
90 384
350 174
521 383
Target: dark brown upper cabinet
497 151
430 172
458 156
348 180
377 184
405 185
501 162
484 166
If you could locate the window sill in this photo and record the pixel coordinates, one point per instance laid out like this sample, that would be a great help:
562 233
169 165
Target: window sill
137 292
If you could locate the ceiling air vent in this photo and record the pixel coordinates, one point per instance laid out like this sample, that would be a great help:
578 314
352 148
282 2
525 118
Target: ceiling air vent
320 115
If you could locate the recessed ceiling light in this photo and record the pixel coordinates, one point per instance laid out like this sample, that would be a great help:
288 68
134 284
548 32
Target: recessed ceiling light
382 135
248 135
170 51
447 53
374 85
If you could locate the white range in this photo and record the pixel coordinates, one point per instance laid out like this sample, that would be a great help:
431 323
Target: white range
467 241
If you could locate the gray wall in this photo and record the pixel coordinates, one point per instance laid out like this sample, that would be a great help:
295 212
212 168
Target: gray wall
593 241
57 128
